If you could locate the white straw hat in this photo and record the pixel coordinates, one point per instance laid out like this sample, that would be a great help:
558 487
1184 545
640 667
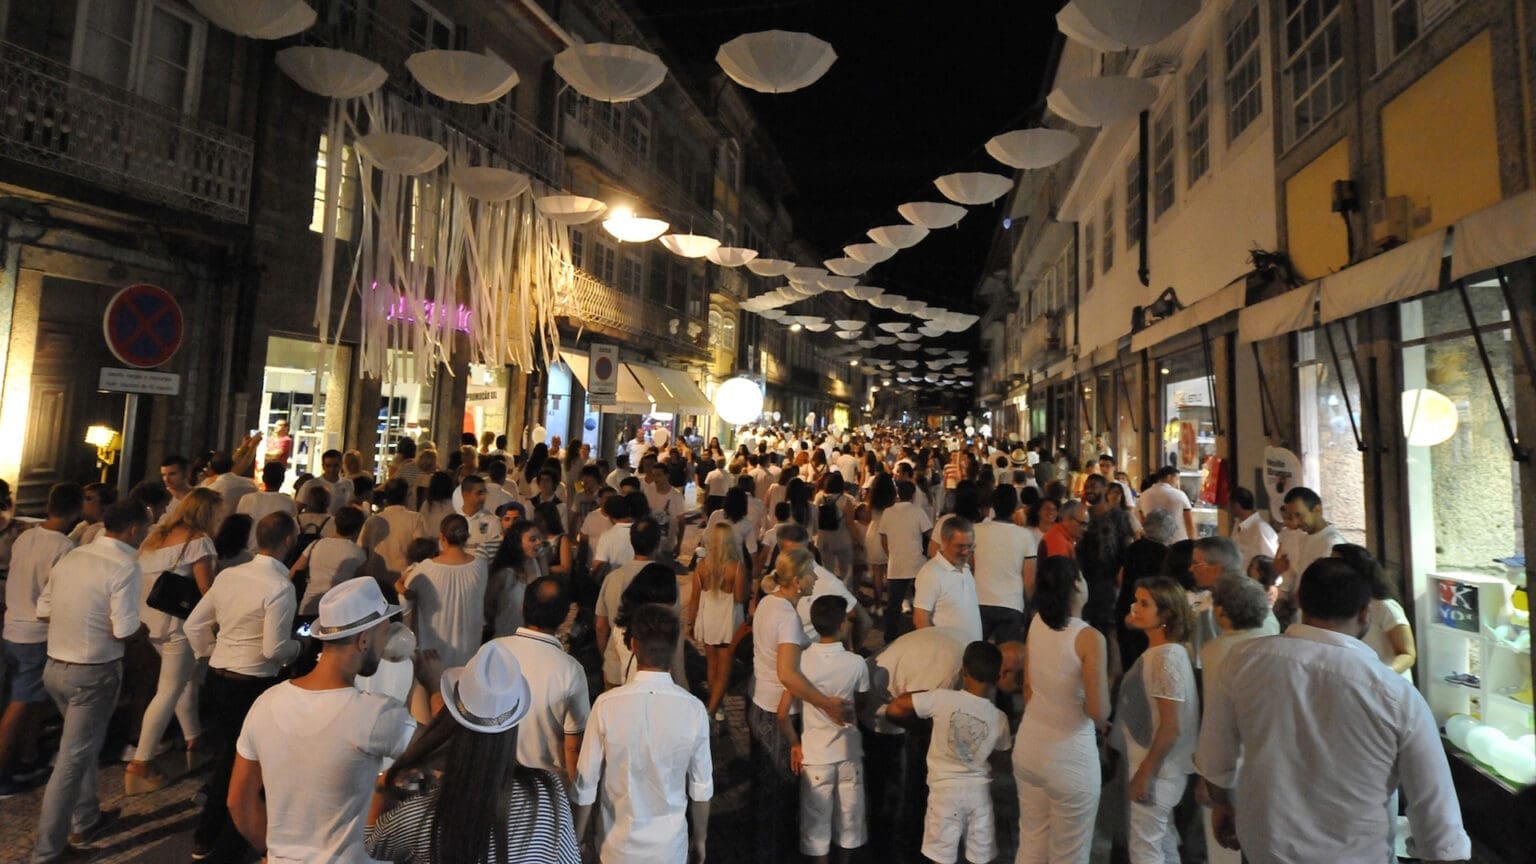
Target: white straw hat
351 607
488 694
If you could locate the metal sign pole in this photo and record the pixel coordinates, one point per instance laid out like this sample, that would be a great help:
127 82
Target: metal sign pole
125 456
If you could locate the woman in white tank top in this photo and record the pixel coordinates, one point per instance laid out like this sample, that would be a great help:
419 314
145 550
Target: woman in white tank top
1066 693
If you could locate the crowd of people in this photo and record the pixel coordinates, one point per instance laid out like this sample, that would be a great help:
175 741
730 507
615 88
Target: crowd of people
491 657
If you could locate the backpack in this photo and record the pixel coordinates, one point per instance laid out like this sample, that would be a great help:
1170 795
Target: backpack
827 516
307 536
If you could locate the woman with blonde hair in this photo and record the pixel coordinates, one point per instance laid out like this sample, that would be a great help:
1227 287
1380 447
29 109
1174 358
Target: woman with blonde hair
182 548
352 464
715 605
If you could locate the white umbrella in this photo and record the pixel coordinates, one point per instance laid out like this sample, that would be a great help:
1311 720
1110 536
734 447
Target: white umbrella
932 330
909 337
898 236
398 153
1032 148
774 314
847 266
973 187
775 61
731 256
836 283
936 352
770 267
818 327
869 253
848 334
1076 26
862 292
486 183
1102 101
805 274
689 245
330 72
570 209
907 364
960 354
908 346
258 19
866 343
462 76
931 214
885 340
908 307
610 73
849 324
626 227
893 326
885 301
1137 23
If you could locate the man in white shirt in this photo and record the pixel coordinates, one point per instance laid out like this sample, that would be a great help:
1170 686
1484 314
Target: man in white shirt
33 555
1251 532
668 509
310 748
902 526
646 753
230 486
175 474
337 486
1003 549
794 536
91 604
1355 731
1303 509
388 532
716 484
946 592
619 472
644 537
848 466
258 504
615 547
484 527
550 737
243 626
1166 495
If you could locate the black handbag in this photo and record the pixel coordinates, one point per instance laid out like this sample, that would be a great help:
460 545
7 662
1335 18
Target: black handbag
173 593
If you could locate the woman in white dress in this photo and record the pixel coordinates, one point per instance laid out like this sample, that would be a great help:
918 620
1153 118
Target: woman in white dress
882 494
448 593
716 606
179 549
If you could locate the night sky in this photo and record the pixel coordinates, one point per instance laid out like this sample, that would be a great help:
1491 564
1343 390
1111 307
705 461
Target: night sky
917 89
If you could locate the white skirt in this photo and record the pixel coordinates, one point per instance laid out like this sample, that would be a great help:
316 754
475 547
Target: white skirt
719 616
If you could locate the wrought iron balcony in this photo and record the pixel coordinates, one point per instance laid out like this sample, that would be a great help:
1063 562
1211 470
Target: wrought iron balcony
593 302
57 118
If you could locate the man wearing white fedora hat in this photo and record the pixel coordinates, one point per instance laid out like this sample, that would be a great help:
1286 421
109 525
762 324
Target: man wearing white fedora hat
315 744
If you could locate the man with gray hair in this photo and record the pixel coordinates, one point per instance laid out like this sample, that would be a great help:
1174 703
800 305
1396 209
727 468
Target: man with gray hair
946 591
1215 559
1062 539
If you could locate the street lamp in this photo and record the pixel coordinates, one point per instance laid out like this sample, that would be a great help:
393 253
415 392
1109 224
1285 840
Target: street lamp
107 443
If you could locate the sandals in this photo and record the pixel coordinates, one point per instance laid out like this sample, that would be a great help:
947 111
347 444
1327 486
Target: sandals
141 778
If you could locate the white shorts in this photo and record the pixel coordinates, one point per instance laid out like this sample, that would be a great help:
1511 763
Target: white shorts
832 805
956 811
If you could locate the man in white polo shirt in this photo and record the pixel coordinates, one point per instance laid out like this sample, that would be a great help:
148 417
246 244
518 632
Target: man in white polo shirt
1166 495
91 604
946 591
902 526
1250 530
550 737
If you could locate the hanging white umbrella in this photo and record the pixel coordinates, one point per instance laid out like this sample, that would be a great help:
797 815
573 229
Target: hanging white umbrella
908 346
862 292
689 245
836 283
731 256
847 266
770 267
973 187
330 72
960 354
869 253
818 327
462 76
909 337
610 73
1101 101
774 314
931 214
626 227
486 183
908 307
805 274
866 343
932 330
1029 149
849 324
936 352
570 209
775 61
885 301
885 340
258 19
398 153
929 312
1074 25
907 364
847 334
898 236
893 326
1137 23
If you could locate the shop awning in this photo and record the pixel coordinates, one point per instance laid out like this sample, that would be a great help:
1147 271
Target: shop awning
1498 235
1201 312
671 390
1059 372
630 399
1286 313
1100 356
1391 277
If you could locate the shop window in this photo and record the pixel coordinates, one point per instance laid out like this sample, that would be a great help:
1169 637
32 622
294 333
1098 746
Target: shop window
150 47
1162 168
1331 462
300 382
485 399
405 406
1188 436
1314 63
1127 422
1197 107
346 214
1108 260
1244 80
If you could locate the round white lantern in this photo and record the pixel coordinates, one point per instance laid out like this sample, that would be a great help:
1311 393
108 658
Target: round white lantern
739 401
1429 417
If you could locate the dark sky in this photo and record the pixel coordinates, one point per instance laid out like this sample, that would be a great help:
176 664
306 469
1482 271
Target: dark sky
917 89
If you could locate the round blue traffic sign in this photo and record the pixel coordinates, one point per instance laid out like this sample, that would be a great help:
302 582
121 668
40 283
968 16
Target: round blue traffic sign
143 326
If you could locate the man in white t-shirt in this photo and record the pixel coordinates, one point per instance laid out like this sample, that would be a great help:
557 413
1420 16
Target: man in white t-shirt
310 748
1003 549
1251 531
331 561
484 527
230 486
794 536
1303 509
550 738
668 509
848 466
1166 495
258 505
902 526
644 537
330 479
946 591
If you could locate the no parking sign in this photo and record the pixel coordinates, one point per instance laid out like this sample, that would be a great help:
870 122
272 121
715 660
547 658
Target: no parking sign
143 326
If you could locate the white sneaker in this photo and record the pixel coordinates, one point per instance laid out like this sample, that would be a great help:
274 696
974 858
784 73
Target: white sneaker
131 753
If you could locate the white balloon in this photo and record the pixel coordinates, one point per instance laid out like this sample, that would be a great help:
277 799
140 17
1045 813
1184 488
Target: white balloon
1456 728
1514 761
1482 740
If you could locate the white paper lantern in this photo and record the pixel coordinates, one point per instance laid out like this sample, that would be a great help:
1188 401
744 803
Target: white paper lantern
462 76
1137 23
862 292
486 183
1029 149
931 214
626 227
869 253
893 326
1429 417
731 256
570 209
397 153
770 267
775 61
610 73
847 266
258 19
739 401
689 245
973 187
898 236
330 72
805 274
1103 101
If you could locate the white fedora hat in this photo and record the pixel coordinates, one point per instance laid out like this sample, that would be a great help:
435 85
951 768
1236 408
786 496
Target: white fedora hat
351 607
488 694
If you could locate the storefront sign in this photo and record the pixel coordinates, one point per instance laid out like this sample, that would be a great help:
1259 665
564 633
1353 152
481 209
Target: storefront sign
1282 473
142 326
603 374
139 381
1457 605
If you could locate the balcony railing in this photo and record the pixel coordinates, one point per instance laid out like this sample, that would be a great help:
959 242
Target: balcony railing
583 131
59 119
595 303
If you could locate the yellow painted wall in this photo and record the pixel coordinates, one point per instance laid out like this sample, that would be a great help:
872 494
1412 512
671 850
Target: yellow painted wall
1439 140
1317 241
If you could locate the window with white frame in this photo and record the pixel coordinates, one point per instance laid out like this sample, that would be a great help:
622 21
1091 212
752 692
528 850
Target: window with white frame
601 262
1244 90
629 272
429 28
1164 149
1133 208
1197 107
1314 63
637 130
1401 22
151 47
346 212
1089 247
578 240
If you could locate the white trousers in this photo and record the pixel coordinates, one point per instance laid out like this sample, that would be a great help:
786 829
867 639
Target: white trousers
176 692
1058 785
1150 836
